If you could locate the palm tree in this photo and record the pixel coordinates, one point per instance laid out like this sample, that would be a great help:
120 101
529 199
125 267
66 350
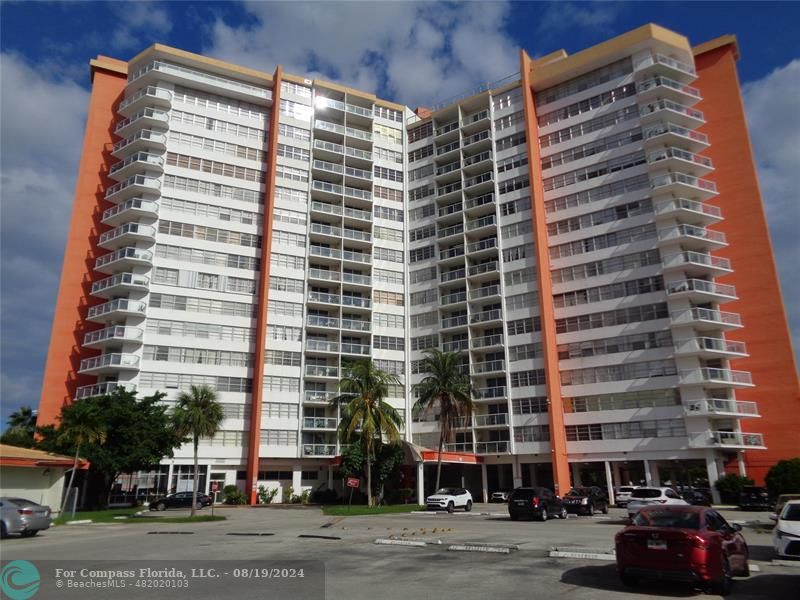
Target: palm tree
197 414
362 390
446 386
23 419
81 426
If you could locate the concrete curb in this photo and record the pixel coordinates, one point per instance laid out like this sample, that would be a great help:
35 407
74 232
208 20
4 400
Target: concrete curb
476 548
79 522
785 563
388 542
589 555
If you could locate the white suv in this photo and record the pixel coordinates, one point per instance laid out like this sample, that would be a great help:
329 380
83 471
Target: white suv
623 495
450 499
645 496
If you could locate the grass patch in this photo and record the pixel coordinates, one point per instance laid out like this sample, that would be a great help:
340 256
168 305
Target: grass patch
111 516
343 510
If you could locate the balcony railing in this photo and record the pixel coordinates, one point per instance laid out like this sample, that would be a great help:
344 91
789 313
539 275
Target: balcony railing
101 389
478 158
452 275
664 128
713 406
473 139
492 447
448 148
480 200
716 439
491 392
117 332
453 298
700 344
488 267
356 325
452 230
328 209
484 292
672 233
451 252
455 346
488 340
203 77
459 447
138 229
150 91
319 449
120 304
131 279
679 153
149 183
319 422
673 178
666 60
360 349
475 118
666 82
482 222
491 420
706 375
354 213
664 104
482 245
478 179
490 366
320 321
147 113
447 128
711 315
487 315
696 258
690 205
458 321
701 285
322 371
124 361
448 189
146 135
448 168
322 345
313 396
132 204
359 257
451 209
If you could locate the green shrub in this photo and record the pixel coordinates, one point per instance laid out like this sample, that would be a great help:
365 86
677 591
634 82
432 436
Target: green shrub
233 495
405 494
304 497
784 477
324 497
286 497
266 496
730 486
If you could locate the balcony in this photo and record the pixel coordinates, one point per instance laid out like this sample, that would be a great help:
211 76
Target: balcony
147 139
319 449
452 253
681 185
684 209
710 348
453 298
324 275
486 316
357 349
356 279
356 257
328 150
457 321
710 377
495 420
322 372
456 208
463 447
487 341
324 298
313 397
455 346
697 264
453 230
672 112
454 275
151 164
321 346
487 270
448 168
321 321
116 310
706 319
101 389
450 191
205 81
331 255
478 120
356 325
720 407
659 64
151 96
672 134
478 162
700 290
727 439
491 393
677 159
113 336
503 447
485 201
326 209
130 210
480 183
663 87
145 118
481 247
484 223
485 292
480 139
138 184
356 215
109 363
129 233
119 284
124 258
320 423
451 128
693 237
490 366
320 229
448 150
329 171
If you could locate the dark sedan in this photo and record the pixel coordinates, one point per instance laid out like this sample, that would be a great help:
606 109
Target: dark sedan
180 500
754 497
691 544
535 502
586 500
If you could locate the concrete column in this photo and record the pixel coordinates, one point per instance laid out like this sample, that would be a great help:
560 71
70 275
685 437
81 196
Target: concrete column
576 476
330 477
420 483
617 475
655 474
485 483
713 475
609 484
516 472
742 465
648 477
169 477
297 481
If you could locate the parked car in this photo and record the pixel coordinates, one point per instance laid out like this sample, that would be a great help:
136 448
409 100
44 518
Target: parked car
693 544
623 494
179 500
535 502
645 496
501 496
695 497
754 497
450 499
782 500
586 500
24 517
786 534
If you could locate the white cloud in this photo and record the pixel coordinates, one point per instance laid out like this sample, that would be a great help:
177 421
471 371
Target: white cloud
560 17
771 106
139 24
418 52
41 133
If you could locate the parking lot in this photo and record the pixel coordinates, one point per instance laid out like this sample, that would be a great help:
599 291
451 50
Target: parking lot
358 568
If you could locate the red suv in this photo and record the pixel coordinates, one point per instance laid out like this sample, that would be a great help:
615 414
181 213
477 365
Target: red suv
693 544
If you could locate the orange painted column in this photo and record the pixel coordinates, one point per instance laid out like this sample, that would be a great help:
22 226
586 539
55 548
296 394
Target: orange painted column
558 439
77 271
254 437
755 276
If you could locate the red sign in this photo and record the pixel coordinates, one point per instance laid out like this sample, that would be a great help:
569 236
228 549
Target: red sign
353 482
214 486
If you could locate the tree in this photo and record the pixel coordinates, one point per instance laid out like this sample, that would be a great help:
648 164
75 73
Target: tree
139 434
784 477
198 414
730 486
21 428
447 388
79 427
364 411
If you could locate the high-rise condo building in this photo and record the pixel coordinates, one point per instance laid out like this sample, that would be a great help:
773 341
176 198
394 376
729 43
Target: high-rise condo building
587 234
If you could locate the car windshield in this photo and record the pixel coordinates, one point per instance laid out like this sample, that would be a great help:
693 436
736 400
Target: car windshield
23 502
645 493
578 492
446 491
791 512
671 519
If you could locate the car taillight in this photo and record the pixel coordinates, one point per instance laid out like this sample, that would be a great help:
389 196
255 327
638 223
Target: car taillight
25 511
699 542
535 501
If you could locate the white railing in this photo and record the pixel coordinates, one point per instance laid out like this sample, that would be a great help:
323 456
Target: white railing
319 449
721 406
319 422
679 153
117 332
486 315
491 420
672 178
693 231
360 349
123 253
660 81
150 91
147 113
491 392
489 267
458 447
492 447
322 371
690 315
110 360
664 128
666 60
320 321
491 366
698 344
120 279
101 389
120 304
663 104
488 340
224 82
139 180
356 325
133 228
144 134
701 285
686 204
713 375
132 204
322 346
696 258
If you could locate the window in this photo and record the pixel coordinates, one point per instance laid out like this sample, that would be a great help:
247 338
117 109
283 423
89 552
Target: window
384 276
296 89
518 228
385 342
198 330
625 400
634 287
626 343
197 356
619 372
626 430
286 309
515 206
202 305
395 367
387 254
282 215
609 265
222 213
282 358
512 162
524 352
509 120
420 133
284 332
517 301
387 113
278 437
388 133
425 274
514 184
520 276
384 193
301 112
600 169
507 99
201 143
280 410
421 193
293 152
228 438
291 173
288 239
383 297
290 195
521 326
532 433
419 254
608 215
425 341
275 383
420 153
225 104
388 174
511 141
209 234
423 297
422 212
388 155
586 81
424 319
422 232
208 281
387 233
640 182
420 172
387 320
592 148
212 166
217 125
166 276
286 260
392 214
182 381
630 314
529 406
528 378
240 285
600 242
586 127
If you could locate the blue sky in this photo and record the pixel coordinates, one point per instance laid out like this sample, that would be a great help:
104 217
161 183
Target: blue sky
415 53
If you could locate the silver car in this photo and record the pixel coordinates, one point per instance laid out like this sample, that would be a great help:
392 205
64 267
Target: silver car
23 516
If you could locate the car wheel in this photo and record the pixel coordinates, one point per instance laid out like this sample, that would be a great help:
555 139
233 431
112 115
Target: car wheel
746 568
723 586
3 531
543 514
605 508
468 507
590 510
161 506
450 507
30 533
199 505
563 513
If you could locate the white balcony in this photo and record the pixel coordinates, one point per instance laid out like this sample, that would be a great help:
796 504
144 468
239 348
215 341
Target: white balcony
454 275
481 293
495 420
109 363
697 264
681 185
324 450
113 336
116 310
134 186
454 298
457 321
706 319
700 290
727 439
485 270
490 393
663 87
122 259
357 349
488 341
320 423
684 209
452 253
322 372
312 397
482 247
710 347
101 389
486 316
502 447
678 159
659 64
455 346
144 119
119 284
460 447
477 225
720 407
139 163
692 237
672 112
356 325
130 210
673 134
451 231
321 321
158 70
321 346
491 366
146 139
715 378
150 96
129 233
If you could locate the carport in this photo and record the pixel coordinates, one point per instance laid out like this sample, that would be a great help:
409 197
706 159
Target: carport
459 469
